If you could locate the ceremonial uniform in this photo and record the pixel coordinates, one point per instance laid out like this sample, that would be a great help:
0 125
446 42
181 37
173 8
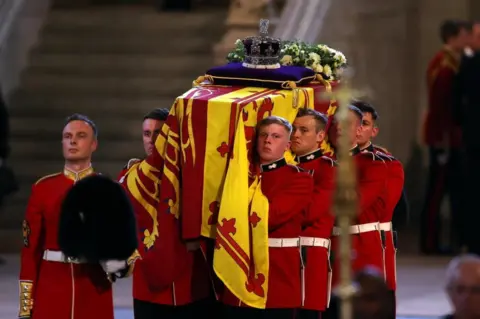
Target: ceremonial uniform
315 237
395 184
289 192
52 285
445 165
182 293
367 246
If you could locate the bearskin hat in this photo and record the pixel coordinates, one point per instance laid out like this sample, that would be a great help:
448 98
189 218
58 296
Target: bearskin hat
97 221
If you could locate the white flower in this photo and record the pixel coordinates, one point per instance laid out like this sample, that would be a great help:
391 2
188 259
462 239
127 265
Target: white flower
238 42
327 70
314 56
236 56
286 60
318 68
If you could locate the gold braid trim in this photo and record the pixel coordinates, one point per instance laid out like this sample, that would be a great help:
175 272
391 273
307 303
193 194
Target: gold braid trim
26 301
131 262
201 79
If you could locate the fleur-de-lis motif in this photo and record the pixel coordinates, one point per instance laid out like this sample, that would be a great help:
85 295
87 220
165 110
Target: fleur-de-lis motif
269 51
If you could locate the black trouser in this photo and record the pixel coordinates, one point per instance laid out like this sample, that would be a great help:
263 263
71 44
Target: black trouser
308 314
149 310
230 312
472 219
443 178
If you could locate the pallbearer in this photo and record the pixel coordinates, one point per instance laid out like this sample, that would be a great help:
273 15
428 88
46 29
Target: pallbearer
367 246
308 134
288 191
394 190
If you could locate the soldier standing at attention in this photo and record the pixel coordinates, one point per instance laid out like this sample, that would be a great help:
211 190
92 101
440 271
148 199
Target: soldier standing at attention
443 137
308 134
51 284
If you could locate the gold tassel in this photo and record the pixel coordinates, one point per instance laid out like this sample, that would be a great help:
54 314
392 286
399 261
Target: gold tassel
201 79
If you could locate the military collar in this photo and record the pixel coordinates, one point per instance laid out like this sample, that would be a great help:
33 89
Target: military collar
273 166
76 176
309 157
369 148
354 151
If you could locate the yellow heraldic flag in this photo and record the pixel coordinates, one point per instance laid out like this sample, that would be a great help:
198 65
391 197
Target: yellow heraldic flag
232 260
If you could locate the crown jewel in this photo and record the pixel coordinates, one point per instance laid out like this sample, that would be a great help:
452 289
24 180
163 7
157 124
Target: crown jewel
262 51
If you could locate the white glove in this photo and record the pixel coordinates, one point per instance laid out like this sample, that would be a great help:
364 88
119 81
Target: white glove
113 266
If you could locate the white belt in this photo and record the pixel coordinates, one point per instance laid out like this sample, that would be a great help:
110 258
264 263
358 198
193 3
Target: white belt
283 242
358 229
58 256
314 242
386 226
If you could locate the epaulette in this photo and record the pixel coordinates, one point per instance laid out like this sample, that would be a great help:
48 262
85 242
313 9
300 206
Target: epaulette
47 177
374 156
131 162
384 155
329 160
381 148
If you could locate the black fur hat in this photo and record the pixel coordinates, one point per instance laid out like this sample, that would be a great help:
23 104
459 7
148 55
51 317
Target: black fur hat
97 221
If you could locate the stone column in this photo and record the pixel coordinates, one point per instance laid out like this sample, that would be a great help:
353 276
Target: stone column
242 21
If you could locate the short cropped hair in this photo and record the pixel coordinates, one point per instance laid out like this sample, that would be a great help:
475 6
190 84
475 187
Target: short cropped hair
159 114
366 107
452 28
320 118
84 118
275 120
356 111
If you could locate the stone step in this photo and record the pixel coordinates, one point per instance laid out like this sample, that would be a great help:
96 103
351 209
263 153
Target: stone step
42 128
128 20
24 105
120 64
138 44
105 85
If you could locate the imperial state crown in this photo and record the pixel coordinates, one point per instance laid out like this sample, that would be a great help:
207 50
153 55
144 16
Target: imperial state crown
262 51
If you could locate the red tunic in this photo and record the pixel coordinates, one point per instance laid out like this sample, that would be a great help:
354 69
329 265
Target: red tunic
367 246
289 192
439 121
57 289
318 225
189 281
395 187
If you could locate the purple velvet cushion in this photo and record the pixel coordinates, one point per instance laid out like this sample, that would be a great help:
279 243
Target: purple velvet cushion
235 74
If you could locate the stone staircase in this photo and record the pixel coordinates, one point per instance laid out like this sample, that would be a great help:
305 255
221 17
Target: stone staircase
113 64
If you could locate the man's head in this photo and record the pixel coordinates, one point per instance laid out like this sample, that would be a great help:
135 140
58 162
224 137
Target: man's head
455 34
273 138
474 36
369 127
354 129
373 300
308 131
463 285
79 138
152 124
